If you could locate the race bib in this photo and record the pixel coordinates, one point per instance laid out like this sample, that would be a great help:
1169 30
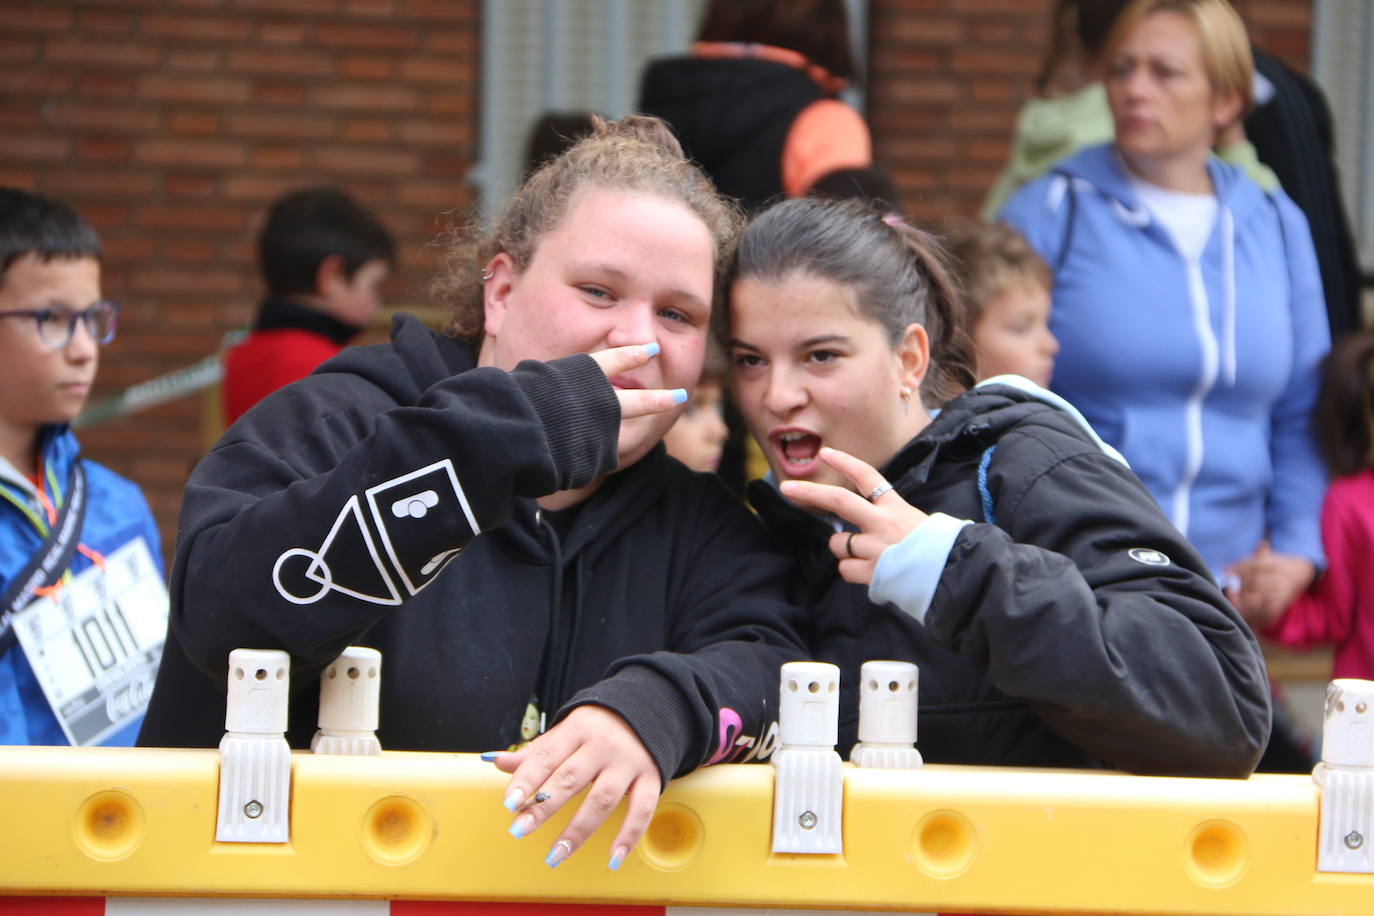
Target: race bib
96 643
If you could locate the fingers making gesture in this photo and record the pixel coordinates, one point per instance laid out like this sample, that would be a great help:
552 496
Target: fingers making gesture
881 516
637 402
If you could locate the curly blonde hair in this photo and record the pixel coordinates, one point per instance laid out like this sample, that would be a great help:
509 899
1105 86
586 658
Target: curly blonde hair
636 154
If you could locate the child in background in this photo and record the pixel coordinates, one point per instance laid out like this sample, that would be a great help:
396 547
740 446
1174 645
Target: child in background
1007 289
698 437
323 259
1339 608
72 638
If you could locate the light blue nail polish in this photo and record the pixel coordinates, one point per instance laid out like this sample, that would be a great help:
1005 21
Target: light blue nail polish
679 395
651 349
489 756
614 864
517 828
512 801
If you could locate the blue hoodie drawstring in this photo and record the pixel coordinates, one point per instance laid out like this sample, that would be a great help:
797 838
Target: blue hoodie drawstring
1228 358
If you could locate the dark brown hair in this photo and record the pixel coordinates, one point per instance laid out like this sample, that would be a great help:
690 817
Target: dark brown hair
900 275
635 154
1344 416
816 29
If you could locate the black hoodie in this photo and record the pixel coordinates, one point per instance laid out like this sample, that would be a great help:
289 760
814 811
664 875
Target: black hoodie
1079 629
345 510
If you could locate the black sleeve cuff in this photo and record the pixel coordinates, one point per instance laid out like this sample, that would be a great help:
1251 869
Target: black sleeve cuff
579 412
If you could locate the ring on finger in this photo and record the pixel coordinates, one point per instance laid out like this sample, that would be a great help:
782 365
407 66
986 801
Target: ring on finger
849 545
879 490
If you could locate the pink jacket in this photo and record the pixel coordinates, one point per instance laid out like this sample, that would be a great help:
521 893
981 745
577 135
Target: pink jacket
1340 607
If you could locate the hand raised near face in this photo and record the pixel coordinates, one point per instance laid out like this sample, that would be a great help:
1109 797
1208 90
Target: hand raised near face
637 402
881 521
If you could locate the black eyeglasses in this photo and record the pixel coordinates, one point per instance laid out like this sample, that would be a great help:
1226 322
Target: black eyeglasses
57 323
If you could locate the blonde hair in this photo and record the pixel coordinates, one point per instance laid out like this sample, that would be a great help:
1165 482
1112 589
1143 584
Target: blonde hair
1226 56
636 154
990 257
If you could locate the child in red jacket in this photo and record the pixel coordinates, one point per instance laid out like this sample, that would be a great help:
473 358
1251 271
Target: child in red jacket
323 259
1339 608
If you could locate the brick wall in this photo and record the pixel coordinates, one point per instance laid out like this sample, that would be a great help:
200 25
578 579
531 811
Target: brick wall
171 124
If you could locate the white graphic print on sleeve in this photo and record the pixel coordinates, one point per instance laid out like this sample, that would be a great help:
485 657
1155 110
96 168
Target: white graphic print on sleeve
406 510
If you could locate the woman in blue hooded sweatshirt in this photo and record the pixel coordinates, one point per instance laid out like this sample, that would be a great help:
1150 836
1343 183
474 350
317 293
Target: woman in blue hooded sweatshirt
1187 301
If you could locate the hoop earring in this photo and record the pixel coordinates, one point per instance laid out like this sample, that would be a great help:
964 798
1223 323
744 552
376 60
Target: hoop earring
487 274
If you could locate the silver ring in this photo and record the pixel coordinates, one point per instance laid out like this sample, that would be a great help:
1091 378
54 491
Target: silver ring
879 490
849 545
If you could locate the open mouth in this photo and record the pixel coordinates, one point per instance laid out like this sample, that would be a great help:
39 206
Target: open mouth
798 451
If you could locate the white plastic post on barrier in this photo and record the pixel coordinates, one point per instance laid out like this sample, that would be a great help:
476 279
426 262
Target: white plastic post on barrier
350 693
1346 778
887 717
255 760
808 792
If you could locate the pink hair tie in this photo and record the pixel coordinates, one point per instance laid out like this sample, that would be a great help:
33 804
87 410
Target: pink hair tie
894 219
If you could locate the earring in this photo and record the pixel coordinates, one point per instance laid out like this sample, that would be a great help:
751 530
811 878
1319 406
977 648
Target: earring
488 274
906 399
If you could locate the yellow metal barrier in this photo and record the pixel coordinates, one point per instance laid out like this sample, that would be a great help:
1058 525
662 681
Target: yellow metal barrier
141 822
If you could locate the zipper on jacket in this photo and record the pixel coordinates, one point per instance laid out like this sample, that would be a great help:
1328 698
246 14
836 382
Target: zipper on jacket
1192 410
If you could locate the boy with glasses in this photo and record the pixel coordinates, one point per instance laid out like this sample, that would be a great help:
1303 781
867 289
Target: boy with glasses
82 604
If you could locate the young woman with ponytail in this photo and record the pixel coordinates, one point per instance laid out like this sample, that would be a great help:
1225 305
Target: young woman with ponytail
1058 619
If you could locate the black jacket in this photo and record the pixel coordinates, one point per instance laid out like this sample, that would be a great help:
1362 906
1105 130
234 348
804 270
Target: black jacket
1052 638
332 514
731 115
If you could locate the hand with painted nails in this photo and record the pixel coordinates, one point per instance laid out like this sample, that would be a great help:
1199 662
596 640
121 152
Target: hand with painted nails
619 364
882 521
592 748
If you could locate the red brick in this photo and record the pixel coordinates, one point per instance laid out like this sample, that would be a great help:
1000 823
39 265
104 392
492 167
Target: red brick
186 216
34 82
258 187
190 250
102 53
116 118
19 114
370 9
185 27
359 160
450 103
366 36
906 118
192 152
918 30
289 126
105 215
281 32
994 90
34 17
1000 119
989 60
102 148
17 50
193 121
276 157
112 22
420 69
367 130
440 10
103 183
179 89
923 89
201 60
32 146
430 195
279 93
436 133
387 98
16 177
446 165
367 66
279 7
192 184
200 281
116 248
451 41
909 60
927 149
274 61
106 85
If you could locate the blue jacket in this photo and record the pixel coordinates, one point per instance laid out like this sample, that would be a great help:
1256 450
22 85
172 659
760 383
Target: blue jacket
116 513
1203 374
